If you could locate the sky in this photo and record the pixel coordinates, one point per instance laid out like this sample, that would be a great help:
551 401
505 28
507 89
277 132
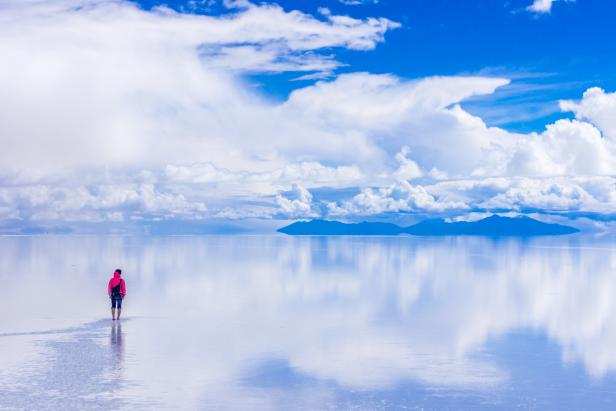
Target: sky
207 113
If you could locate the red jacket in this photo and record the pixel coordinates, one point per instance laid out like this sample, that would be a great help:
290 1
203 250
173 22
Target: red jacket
114 281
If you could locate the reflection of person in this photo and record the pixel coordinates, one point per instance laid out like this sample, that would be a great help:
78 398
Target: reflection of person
116 290
115 342
116 336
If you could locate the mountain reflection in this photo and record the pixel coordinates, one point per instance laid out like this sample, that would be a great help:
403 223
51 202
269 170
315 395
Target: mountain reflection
210 313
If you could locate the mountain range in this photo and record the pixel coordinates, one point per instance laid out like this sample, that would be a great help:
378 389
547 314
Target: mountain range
490 226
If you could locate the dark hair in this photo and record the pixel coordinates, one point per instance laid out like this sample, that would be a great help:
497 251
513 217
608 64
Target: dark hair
118 271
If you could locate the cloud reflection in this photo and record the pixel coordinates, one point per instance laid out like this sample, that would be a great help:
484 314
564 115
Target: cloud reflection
212 318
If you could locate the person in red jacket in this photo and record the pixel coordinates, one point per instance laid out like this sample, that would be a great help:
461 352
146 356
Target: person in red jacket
117 291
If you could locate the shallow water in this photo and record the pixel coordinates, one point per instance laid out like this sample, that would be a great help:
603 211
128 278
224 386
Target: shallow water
275 322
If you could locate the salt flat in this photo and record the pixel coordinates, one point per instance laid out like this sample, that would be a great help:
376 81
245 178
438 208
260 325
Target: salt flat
274 322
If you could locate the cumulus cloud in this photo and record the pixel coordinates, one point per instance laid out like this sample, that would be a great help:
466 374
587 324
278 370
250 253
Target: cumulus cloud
110 83
541 6
391 113
399 197
424 118
116 202
408 169
300 205
111 111
311 174
596 107
595 194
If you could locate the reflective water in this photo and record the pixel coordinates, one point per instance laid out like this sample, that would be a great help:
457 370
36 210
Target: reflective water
275 322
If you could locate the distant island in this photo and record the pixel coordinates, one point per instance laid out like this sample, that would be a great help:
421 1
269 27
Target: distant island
494 226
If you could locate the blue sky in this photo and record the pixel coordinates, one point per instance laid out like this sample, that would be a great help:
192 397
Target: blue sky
223 112
551 56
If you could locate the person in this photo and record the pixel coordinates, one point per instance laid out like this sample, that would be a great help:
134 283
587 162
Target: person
117 291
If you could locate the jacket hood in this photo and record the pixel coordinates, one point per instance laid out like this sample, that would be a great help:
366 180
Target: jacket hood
115 280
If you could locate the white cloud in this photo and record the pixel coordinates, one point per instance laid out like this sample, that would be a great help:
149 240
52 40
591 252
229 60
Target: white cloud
391 113
556 194
357 2
550 194
156 99
598 108
541 6
399 197
133 77
424 117
98 203
310 174
408 169
300 206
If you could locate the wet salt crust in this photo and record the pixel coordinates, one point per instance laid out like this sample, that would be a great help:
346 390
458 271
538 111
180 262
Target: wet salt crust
273 322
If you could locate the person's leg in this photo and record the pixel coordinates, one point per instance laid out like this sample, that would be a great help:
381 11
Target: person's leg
113 309
119 305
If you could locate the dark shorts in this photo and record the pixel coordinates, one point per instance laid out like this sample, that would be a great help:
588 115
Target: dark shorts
116 302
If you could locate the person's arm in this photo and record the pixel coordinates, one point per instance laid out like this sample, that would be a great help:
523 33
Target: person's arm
122 287
109 288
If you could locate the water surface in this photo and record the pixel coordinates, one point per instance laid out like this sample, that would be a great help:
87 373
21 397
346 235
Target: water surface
275 322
